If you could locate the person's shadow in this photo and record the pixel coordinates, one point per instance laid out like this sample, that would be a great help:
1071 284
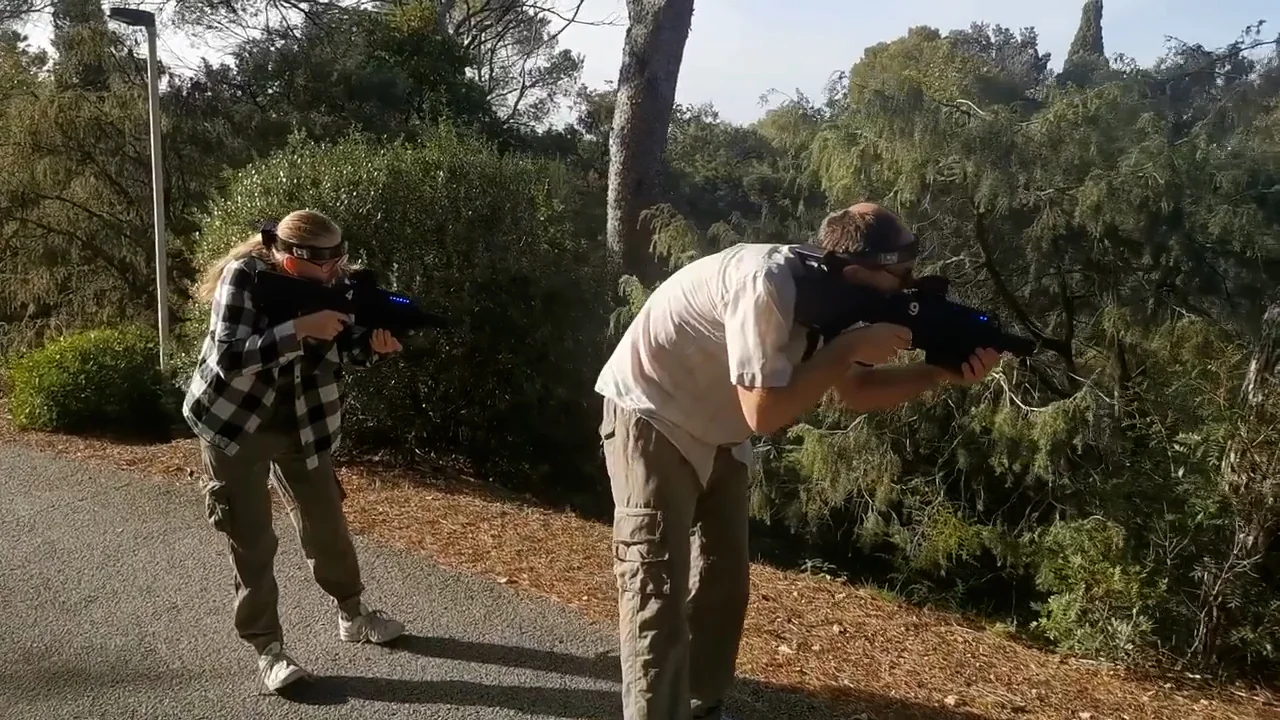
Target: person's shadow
552 702
599 667
751 699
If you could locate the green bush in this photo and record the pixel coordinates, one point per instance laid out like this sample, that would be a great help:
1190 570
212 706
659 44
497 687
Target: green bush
1103 522
105 380
1099 604
486 239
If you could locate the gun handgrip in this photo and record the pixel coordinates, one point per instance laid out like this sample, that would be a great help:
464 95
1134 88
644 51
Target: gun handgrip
946 358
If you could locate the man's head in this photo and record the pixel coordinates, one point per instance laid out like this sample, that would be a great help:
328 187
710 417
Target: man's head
870 236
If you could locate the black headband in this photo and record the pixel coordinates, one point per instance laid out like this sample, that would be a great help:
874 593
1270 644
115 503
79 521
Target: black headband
834 262
303 252
879 258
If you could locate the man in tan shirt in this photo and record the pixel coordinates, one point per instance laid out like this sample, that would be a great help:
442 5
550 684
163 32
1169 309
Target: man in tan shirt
712 359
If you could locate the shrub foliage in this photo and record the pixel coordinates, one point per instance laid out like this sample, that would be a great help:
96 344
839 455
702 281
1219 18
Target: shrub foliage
103 380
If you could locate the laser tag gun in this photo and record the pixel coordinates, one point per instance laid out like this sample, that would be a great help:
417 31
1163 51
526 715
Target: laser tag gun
949 333
283 297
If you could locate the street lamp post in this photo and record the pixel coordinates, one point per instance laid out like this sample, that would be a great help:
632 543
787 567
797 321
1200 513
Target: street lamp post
147 20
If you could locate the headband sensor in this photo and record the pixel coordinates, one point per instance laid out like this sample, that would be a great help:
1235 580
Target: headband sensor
313 253
881 258
303 252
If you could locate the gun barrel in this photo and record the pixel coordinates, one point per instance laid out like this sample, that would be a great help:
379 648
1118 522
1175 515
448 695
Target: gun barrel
401 312
1017 345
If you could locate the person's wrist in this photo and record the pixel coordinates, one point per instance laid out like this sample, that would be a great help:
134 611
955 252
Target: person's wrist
851 347
941 375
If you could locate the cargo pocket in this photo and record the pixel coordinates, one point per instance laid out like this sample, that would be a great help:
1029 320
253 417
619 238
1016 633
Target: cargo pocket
640 559
608 432
217 505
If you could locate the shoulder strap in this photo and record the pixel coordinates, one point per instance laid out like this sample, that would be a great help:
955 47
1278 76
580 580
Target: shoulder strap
810 344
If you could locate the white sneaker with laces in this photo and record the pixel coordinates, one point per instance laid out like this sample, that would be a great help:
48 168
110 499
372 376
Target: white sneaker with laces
277 669
369 626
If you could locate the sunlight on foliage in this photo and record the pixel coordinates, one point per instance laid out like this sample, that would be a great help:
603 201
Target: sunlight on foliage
1100 603
835 455
675 239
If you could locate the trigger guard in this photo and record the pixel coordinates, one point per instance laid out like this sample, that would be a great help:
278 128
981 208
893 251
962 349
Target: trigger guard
945 360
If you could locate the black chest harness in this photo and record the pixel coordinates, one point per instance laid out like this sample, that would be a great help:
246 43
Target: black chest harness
826 302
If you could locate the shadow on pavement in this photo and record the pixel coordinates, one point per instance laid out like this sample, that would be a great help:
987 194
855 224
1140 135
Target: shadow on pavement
315 691
551 702
599 667
752 699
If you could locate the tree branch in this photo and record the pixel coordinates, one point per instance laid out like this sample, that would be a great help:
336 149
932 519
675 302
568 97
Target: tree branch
1056 345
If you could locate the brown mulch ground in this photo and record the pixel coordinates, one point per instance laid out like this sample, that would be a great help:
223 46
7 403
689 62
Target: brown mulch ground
865 656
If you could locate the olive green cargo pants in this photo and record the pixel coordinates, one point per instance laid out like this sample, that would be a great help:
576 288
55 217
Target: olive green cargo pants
238 503
682 569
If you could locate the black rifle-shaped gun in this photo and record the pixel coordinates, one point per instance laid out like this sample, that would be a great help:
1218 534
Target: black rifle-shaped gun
282 297
949 333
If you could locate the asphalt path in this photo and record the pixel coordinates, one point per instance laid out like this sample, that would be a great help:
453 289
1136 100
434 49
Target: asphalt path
117 604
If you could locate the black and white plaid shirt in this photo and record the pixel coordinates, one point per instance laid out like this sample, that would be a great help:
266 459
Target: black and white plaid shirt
240 364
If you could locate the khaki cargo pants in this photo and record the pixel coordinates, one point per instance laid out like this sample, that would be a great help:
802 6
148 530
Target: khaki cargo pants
238 503
681 564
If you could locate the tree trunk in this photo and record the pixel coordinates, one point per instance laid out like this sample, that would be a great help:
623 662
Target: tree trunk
444 11
1250 471
1251 478
651 58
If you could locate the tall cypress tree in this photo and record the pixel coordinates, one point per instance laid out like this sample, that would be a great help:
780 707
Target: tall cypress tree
1086 57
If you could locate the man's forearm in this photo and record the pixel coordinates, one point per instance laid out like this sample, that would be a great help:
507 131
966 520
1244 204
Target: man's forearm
772 408
882 388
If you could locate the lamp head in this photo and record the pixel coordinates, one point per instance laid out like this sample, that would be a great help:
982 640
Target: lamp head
132 16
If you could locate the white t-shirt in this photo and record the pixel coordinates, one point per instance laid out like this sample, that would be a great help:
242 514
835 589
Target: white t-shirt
720 321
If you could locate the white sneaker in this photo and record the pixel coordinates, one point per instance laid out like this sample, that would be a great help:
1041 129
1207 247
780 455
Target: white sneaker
369 626
277 669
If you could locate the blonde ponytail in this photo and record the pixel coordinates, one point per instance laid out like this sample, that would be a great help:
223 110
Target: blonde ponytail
213 274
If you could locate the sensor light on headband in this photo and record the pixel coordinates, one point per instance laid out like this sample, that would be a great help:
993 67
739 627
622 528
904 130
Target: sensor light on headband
311 252
834 262
871 257
303 252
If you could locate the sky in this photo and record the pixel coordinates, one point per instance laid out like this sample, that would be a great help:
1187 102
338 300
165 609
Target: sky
740 49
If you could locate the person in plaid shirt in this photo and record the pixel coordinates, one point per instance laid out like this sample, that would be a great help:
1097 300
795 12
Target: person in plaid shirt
266 404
